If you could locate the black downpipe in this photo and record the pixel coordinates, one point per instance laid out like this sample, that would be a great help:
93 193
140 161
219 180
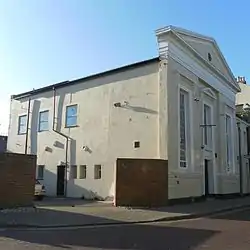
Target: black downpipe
240 159
27 127
65 136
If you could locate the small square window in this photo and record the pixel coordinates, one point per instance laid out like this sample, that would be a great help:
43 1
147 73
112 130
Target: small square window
71 116
83 171
136 144
40 172
73 172
98 172
22 124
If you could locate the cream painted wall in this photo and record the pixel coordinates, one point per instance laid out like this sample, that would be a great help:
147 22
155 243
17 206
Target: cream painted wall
109 132
150 114
187 72
244 96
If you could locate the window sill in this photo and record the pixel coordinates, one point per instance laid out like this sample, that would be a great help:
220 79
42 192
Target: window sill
73 126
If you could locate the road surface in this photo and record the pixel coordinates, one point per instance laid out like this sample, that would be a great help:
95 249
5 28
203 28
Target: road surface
228 231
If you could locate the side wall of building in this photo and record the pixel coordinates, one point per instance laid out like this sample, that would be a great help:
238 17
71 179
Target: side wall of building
106 131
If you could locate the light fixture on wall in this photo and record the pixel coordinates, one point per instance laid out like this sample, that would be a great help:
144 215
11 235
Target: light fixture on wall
87 149
119 104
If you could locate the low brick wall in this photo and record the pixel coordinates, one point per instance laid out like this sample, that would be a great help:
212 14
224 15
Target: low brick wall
141 182
17 179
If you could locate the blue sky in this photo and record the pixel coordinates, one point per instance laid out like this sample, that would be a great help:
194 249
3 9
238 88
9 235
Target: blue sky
44 42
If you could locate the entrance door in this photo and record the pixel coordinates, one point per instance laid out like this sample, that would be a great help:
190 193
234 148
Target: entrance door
206 179
60 180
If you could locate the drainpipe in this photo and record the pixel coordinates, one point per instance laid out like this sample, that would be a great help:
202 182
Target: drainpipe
27 127
63 135
240 159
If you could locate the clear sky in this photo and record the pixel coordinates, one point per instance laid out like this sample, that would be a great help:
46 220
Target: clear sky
48 41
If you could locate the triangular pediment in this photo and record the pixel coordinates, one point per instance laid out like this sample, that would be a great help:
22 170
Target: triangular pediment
207 48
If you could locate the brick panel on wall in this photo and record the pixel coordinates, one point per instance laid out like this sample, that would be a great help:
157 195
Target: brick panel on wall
17 179
141 182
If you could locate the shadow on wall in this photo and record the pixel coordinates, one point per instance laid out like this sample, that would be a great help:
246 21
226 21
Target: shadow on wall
60 97
72 144
136 236
33 130
140 109
74 190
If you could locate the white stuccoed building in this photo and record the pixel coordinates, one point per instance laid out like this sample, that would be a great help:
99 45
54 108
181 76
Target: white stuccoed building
179 106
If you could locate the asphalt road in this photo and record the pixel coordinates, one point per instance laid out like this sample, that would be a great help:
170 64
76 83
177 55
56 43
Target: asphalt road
228 231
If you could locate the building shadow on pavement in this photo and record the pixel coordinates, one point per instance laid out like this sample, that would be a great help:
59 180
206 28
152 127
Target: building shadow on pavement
131 236
237 215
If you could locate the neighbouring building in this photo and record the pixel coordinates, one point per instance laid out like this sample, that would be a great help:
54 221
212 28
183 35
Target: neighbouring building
179 106
243 113
3 143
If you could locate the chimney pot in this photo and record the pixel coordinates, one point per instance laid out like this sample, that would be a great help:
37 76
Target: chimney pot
241 79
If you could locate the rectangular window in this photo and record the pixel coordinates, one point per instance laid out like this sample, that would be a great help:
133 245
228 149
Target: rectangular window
44 121
71 116
83 171
98 172
245 142
183 127
207 112
22 124
229 151
40 172
73 172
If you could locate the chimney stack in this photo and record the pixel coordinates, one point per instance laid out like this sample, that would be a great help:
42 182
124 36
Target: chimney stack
241 79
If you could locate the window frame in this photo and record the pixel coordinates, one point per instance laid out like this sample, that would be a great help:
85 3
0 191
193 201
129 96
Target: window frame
184 164
66 116
40 122
209 144
97 171
37 175
19 124
229 143
81 176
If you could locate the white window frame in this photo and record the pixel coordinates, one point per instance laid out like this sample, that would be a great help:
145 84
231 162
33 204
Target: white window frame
229 144
66 115
83 172
98 172
209 146
186 94
19 124
37 175
40 121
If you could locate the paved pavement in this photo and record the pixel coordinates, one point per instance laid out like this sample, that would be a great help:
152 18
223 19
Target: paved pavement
227 231
75 213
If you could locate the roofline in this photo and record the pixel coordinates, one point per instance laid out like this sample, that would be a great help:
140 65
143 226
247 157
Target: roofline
175 30
184 32
87 78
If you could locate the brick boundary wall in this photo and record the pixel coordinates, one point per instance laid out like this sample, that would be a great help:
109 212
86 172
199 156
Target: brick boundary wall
17 179
141 182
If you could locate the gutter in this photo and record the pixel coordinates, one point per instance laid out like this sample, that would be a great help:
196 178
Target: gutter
67 141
